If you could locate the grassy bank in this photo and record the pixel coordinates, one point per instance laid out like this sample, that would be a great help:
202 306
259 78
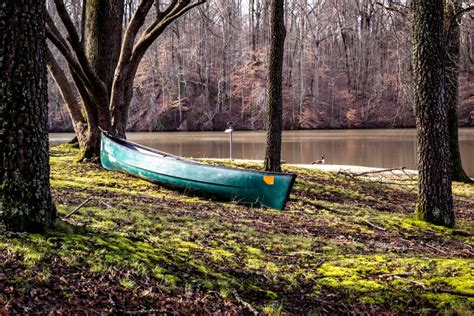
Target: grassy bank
344 244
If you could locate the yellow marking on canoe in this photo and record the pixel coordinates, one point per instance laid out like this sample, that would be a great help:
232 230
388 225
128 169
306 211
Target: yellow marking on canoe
270 180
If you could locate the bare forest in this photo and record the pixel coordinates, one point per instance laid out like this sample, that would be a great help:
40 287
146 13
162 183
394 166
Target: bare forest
347 64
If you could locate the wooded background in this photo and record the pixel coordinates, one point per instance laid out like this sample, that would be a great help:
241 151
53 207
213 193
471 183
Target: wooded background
347 64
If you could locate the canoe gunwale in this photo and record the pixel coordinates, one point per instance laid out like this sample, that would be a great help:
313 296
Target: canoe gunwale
123 143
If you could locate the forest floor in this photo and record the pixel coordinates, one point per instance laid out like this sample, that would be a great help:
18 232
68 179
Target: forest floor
344 244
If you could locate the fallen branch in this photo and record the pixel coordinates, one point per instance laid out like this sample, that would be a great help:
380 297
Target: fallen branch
402 183
379 171
78 208
411 177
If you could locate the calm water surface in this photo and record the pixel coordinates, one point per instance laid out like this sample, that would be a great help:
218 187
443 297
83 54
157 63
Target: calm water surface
374 148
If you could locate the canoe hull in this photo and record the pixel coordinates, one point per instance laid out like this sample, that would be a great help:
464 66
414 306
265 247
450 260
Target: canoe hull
248 187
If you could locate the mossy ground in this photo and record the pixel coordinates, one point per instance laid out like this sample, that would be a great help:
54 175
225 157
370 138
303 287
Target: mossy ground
344 244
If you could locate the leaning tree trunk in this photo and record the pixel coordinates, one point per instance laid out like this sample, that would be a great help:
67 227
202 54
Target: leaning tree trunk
453 38
275 68
25 202
435 202
78 121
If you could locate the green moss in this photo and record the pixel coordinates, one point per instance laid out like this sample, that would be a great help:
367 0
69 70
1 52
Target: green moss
218 254
128 284
254 251
44 275
274 309
414 223
332 243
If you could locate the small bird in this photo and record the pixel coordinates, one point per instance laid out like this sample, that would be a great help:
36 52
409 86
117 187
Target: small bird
319 162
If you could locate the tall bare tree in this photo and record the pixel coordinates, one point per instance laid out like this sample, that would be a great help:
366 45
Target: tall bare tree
435 201
25 197
453 16
366 41
274 90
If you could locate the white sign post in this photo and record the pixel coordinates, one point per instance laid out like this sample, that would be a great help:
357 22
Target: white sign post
230 130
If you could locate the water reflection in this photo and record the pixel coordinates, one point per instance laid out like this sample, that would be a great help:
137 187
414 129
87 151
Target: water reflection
375 148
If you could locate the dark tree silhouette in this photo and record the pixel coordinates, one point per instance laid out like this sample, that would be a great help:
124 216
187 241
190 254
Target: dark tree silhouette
435 202
275 67
453 43
25 198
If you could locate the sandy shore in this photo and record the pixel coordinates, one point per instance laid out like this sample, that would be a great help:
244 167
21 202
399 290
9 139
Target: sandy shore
340 168
354 169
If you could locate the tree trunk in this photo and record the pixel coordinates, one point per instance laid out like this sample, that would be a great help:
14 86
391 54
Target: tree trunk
453 36
435 202
123 98
104 19
78 121
25 202
103 38
275 106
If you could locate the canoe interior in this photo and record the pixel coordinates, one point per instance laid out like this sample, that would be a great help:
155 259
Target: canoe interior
249 187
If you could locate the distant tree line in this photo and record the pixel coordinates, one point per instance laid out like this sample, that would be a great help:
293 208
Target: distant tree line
347 63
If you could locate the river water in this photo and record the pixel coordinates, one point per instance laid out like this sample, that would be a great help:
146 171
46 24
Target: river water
374 148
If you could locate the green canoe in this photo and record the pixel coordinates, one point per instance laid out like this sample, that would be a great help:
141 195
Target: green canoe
253 188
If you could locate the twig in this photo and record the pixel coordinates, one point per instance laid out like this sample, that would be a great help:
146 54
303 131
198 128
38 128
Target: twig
78 208
319 263
420 284
396 275
344 172
454 292
141 312
374 226
245 304
434 248
442 290
105 204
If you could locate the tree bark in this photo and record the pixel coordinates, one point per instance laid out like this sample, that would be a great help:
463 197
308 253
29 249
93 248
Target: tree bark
25 201
78 121
104 19
435 202
275 68
453 38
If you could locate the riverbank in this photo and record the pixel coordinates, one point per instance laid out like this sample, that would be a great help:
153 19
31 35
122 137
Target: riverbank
340 169
375 148
345 243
